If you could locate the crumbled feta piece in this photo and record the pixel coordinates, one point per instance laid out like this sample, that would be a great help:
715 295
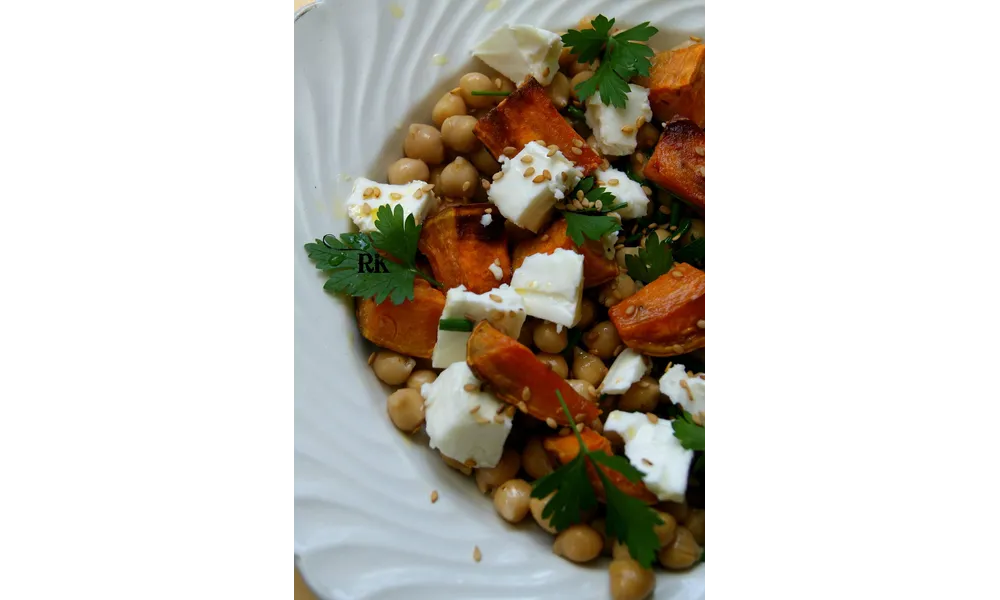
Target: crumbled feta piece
654 451
625 191
689 392
496 270
517 51
527 200
363 210
551 286
628 368
486 219
502 307
615 128
608 241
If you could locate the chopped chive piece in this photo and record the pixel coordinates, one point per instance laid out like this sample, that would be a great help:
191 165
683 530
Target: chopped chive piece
489 93
575 112
455 325
675 212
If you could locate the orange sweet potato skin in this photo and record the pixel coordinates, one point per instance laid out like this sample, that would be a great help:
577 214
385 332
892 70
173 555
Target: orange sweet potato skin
678 162
665 314
408 328
676 84
461 249
526 115
510 368
596 268
565 449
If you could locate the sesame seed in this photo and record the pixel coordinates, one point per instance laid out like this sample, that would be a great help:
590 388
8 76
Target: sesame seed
545 237
678 349
527 159
466 186
418 194
677 274
565 176
526 394
497 175
540 142
695 38
499 83
630 310
496 298
471 387
628 129
477 555
551 152
646 462
579 417
457 90
646 190
551 422
578 142
377 193
498 418
371 358
510 151
529 171
701 171
434 496
553 148
428 187
599 204
470 462
619 349
481 420
699 151
613 182
639 122
665 210
474 409
579 195
496 261
652 418
651 226
600 183
485 184
396 196
366 209
701 323
509 412
547 175
577 151
545 72
521 406
538 179
605 164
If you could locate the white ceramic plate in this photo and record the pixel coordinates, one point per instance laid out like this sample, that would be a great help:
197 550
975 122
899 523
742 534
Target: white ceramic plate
364 524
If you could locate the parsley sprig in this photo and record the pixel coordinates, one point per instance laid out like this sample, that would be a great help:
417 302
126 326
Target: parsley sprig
628 519
690 434
342 257
623 58
650 262
592 223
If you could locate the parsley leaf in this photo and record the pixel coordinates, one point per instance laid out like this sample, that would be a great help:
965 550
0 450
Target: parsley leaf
693 253
651 262
579 226
629 519
356 267
623 58
691 435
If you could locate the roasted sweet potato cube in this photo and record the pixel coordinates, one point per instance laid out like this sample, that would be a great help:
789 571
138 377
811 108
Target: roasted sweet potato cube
678 162
518 378
666 317
527 115
676 84
565 448
596 268
409 328
461 249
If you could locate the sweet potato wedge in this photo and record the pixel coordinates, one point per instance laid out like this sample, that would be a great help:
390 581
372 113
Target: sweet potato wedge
596 268
526 115
408 328
662 318
678 162
520 379
565 448
461 249
676 84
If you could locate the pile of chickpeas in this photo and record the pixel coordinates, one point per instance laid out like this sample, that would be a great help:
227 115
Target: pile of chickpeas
448 155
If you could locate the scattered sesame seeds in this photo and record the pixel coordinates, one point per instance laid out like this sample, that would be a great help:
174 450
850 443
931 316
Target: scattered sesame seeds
695 38
701 323
612 182
498 418
489 211
510 151
545 237
418 194
371 358
497 175
646 462
538 179
481 420
677 274
471 387
527 159
496 298
545 72
477 554
366 209
551 423
576 151
701 170
377 193
639 122
434 496
646 190
529 172
651 226
699 151
466 186
564 176
547 174
526 394
628 129
630 310
509 412
521 406
600 183
475 408
664 209
428 187
499 83
652 418
485 183
470 462
496 261
678 349
577 142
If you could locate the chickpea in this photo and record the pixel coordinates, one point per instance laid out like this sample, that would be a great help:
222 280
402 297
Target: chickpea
424 142
537 506
535 459
550 337
588 311
647 136
419 378
454 464
579 543
477 82
638 162
678 510
555 362
682 552
512 500
559 91
695 232
665 531
585 23
527 331
578 67
484 161
584 388
621 254
457 134
629 581
617 289
695 523
406 409
448 106
588 367
642 396
602 340
392 368
406 170
489 478
600 526
506 85
459 179
578 78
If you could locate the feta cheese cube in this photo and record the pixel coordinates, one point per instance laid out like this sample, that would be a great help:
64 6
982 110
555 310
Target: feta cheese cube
626 190
519 51
628 368
688 392
551 286
523 200
615 128
363 210
654 451
502 307
464 424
